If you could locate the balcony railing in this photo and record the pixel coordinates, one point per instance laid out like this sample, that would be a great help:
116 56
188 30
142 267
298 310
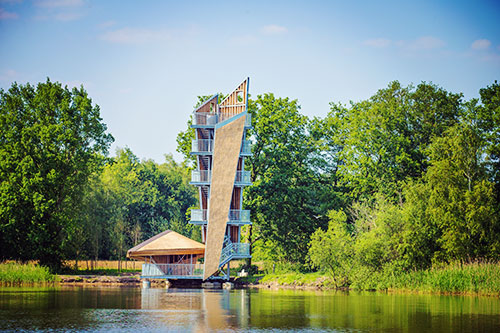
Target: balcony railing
206 119
246 147
199 215
207 146
239 215
235 215
201 176
242 177
234 251
177 270
202 146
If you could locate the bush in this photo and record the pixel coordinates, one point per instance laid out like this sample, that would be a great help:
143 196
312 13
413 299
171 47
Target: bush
24 273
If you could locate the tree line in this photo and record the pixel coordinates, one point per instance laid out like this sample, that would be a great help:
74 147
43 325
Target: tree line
406 179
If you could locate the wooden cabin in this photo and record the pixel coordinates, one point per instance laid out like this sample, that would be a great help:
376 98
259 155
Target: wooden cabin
169 255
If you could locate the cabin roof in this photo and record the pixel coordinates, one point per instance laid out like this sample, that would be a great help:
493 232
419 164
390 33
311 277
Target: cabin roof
166 243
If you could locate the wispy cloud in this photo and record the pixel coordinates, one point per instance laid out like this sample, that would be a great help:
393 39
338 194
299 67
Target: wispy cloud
480 44
136 36
5 15
9 75
65 17
425 43
273 29
60 10
107 24
59 3
378 42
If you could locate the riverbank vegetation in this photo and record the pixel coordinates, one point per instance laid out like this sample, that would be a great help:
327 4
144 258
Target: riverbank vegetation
474 278
18 273
403 184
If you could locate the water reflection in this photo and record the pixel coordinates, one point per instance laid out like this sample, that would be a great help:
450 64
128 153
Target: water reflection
198 310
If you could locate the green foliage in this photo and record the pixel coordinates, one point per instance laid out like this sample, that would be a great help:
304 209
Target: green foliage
383 140
291 193
131 201
51 140
24 273
332 250
461 199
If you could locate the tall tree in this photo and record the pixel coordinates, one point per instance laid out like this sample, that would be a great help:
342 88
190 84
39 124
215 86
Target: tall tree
291 193
382 140
51 140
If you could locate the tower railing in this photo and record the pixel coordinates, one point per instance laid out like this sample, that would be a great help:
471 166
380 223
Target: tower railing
210 119
239 215
202 146
201 176
243 177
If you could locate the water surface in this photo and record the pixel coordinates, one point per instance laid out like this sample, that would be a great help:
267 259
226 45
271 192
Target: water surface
198 310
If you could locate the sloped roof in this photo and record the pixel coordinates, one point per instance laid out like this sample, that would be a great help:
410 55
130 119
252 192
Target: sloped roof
165 243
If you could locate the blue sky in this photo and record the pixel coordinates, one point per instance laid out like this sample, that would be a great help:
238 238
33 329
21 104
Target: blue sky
144 62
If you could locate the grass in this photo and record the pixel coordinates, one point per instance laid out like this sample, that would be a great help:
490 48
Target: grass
316 279
102 271
473 278
17 273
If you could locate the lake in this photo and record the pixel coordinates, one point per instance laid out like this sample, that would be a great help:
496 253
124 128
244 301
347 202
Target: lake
247 310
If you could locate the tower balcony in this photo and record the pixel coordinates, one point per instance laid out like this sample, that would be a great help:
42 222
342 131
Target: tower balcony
206 147
209 120
204 177
202 146
235 216
201 177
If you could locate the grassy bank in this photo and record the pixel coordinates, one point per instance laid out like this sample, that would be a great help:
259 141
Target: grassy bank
14 273
474 278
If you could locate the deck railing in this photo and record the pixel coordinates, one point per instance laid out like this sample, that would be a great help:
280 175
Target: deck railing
180 270
199 215
208 119
242 177
234 250
202 146
246 147
201 176
240 215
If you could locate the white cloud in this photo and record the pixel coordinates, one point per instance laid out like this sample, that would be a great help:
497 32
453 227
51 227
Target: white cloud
65 17
136 36
9 75
5 15
377 42
106 24
425 43
480 44
273 29
59 3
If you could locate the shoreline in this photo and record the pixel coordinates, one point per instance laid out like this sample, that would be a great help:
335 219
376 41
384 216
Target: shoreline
135 281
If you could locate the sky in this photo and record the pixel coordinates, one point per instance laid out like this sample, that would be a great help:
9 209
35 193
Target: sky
144 62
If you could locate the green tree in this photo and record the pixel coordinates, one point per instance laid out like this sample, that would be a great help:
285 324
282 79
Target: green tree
462 200
291 193
382 140
332 250
51 140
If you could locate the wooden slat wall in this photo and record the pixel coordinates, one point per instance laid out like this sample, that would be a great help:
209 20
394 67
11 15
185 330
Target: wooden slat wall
225 160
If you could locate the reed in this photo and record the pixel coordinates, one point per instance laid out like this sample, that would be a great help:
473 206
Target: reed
475 278
18 273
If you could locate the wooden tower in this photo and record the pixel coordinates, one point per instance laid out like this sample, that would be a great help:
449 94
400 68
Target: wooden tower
220 147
